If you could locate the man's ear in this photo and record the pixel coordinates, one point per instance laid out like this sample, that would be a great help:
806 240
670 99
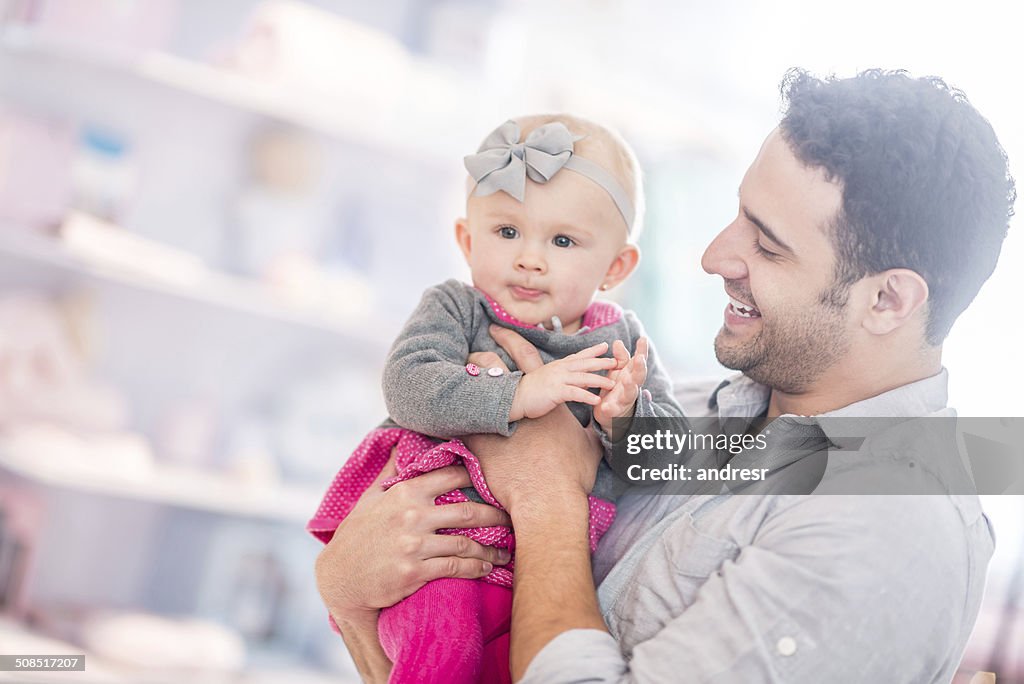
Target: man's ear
462 236
624 264
897 295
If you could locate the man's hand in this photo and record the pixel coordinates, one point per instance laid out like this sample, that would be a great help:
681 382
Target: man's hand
552 457
387 547
628 378
555 383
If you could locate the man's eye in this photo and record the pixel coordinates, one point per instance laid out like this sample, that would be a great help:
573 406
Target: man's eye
563 241
764 252
508 232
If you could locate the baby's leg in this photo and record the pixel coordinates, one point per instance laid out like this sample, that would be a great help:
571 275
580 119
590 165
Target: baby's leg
497 619
436 635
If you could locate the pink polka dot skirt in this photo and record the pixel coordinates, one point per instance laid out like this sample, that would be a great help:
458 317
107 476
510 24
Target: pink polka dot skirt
417 454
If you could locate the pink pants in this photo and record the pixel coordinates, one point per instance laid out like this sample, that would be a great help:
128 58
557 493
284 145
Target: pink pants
451 630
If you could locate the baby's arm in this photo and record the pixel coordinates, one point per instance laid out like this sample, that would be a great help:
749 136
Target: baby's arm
428 389
426 386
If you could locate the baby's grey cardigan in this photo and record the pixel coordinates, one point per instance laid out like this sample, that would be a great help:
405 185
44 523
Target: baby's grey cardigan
427 388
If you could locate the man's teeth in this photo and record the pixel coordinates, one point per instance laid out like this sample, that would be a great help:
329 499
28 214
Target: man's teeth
743 310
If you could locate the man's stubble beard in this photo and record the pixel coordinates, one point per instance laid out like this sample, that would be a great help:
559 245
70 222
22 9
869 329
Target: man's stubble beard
790 355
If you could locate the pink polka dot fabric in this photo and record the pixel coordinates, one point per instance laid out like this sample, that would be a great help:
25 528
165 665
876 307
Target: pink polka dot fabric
417 454
597 315
600 314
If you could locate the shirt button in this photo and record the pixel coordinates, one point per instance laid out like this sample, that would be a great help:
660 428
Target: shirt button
786 646
495 372
473 369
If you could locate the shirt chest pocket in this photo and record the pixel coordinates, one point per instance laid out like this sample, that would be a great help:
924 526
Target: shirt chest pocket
667 581
693 556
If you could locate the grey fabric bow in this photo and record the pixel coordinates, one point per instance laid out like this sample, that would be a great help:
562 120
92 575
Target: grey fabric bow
503 163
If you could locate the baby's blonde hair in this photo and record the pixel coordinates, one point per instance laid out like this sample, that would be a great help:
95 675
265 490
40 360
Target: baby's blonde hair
603 146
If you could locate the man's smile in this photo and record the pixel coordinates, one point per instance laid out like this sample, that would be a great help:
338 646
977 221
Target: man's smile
742 309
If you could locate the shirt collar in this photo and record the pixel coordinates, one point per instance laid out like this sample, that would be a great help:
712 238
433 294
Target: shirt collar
739 396
921 398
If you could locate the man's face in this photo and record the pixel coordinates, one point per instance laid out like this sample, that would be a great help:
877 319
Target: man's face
547 255
782 328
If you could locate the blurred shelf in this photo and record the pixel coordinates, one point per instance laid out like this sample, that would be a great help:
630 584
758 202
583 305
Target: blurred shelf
201 286
348 116
171 485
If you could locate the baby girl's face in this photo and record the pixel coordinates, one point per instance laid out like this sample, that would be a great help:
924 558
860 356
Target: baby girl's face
548 255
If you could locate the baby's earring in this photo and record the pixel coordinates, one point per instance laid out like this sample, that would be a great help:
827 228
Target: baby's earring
604 286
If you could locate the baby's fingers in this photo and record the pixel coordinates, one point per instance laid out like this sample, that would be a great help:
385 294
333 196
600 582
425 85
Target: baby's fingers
591 380
580 395
600 363
643 348
620 353
639 361
590 352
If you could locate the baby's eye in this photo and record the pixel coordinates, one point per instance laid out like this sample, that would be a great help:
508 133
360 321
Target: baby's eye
508 232
563 241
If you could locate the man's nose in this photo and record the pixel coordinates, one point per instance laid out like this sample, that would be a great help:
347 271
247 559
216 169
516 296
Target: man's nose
723 256
530 258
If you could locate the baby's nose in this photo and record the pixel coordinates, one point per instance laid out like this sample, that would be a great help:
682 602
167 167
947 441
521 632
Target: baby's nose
531 260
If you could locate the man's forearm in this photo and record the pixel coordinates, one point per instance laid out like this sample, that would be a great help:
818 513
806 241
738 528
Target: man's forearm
363 644
554 585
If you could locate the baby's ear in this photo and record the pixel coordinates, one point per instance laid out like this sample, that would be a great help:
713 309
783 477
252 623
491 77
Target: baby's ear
462 236
622 266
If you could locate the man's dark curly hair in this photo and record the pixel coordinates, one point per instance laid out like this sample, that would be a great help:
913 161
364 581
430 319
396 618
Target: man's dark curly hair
925 182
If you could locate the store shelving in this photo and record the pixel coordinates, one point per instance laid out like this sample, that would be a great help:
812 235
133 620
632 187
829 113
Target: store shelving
200 286
345 116
179 486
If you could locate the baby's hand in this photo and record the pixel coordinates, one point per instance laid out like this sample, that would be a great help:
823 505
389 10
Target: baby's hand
567 379
629 375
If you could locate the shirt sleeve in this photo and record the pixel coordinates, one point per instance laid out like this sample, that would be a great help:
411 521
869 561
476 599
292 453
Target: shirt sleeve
426 385
877 586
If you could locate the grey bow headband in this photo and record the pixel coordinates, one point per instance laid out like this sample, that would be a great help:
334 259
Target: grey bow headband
504 163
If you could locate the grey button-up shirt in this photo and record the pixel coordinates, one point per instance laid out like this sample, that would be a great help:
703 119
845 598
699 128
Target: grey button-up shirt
784 588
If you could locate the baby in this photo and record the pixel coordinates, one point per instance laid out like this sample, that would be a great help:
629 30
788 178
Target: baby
554 205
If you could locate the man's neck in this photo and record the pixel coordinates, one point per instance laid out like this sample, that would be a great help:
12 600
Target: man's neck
844 385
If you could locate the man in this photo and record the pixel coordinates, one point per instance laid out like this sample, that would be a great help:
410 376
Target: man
866 224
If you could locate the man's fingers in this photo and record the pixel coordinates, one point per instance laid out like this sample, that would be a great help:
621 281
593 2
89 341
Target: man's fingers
453 566
436 482
487 359
457 545
468 514
525 355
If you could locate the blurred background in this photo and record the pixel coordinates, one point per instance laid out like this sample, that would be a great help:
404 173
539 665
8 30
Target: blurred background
214 216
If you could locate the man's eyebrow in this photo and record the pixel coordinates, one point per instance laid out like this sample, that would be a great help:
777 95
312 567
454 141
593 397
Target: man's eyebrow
767 231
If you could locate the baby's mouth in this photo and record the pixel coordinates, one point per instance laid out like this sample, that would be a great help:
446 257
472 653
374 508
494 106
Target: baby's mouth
743 310
529 293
